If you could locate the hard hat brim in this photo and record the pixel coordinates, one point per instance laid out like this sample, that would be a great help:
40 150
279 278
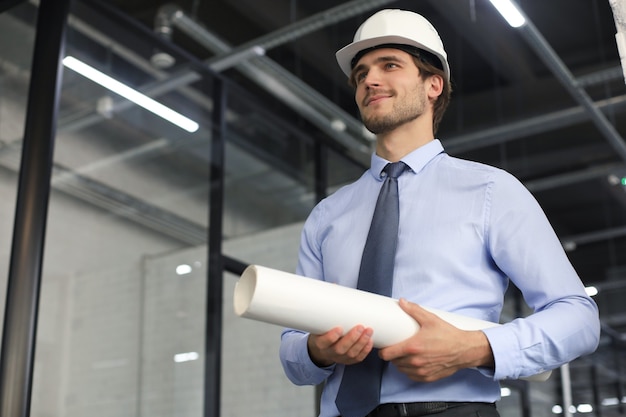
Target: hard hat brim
347 53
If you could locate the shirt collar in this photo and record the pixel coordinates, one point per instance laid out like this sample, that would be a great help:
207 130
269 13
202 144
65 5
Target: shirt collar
415 160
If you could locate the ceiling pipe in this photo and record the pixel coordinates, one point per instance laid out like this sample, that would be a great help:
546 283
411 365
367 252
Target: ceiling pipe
538 43
310 24
570 243
161 59
606 75
275 79
530 126
556 181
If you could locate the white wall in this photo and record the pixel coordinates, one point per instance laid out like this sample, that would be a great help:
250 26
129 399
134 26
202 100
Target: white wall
253 382
112 321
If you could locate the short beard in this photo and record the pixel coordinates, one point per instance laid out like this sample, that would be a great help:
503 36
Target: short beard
403 112
388 123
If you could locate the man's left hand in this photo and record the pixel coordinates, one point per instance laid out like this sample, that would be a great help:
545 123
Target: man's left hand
438 349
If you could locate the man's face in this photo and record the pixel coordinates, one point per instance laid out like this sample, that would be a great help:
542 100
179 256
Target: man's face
389 90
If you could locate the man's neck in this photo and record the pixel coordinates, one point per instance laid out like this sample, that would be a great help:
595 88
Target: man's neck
394 145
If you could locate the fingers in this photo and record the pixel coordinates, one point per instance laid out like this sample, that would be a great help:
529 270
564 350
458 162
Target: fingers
420 314
390 353
334 347
355 345
402 349
327 339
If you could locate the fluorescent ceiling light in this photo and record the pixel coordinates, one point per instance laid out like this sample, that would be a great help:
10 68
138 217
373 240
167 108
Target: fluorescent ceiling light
510 12
130 94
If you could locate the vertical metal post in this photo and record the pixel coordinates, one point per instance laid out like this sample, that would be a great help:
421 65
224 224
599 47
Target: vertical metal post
213 343
619 385
20 319
523 385
566 389
595 390
320 185
321 171
525 399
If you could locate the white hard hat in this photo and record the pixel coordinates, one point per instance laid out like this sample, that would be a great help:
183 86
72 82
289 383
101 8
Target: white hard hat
399 27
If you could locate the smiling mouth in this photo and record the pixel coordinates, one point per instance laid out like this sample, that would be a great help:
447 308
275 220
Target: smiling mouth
374 99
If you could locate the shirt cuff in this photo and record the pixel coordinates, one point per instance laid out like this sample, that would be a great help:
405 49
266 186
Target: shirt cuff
506 352
311 371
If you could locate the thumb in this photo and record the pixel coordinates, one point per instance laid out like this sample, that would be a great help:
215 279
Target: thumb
418 313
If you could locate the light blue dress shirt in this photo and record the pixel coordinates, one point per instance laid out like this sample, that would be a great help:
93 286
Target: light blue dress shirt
466 229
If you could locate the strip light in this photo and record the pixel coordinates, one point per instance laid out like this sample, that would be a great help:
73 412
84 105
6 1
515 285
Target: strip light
186 357
510 12
130 94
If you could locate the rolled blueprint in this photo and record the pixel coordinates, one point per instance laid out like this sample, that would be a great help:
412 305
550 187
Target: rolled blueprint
316 306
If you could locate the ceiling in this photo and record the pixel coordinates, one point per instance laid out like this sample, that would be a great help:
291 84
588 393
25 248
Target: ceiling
545 102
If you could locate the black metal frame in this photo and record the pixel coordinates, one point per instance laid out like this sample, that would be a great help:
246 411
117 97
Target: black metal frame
213 340
24 281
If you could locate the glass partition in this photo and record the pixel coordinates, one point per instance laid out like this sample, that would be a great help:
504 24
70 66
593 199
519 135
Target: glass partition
123 301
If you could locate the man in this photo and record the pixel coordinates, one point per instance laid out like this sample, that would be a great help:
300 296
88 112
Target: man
465 230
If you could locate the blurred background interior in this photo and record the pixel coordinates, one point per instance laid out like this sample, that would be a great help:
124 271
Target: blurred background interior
126 302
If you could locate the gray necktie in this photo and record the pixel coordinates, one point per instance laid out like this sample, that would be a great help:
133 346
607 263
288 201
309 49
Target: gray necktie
359 392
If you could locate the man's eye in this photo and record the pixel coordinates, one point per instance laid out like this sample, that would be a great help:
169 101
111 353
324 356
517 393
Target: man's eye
360 76
391 65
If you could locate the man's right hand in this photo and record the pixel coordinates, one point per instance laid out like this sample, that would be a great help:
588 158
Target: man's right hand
334 347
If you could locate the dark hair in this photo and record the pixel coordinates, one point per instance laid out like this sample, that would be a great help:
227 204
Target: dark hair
428 65
441 104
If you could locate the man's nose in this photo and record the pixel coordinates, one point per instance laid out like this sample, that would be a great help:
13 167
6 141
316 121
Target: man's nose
372 79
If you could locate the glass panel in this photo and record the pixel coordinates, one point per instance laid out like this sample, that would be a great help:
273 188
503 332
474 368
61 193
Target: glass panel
129 189
269 165
123 304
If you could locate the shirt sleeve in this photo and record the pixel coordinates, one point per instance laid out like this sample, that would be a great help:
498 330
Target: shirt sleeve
294 355
565 323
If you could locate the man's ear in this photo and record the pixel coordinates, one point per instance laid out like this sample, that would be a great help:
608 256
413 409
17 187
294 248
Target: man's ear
435 86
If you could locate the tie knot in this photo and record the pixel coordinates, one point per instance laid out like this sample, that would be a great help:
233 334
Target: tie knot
395 169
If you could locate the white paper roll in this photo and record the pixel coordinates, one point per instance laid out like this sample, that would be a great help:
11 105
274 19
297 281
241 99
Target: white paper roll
315 306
